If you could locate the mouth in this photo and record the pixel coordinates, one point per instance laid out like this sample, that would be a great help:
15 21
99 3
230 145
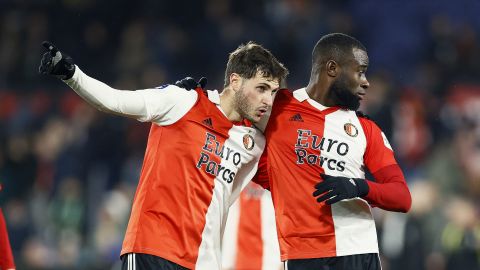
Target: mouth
360 96
261 111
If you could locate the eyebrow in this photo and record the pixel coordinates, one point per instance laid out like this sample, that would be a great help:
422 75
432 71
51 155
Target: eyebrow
264 84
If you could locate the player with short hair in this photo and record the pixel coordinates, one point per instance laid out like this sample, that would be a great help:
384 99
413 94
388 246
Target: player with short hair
202 151
313 134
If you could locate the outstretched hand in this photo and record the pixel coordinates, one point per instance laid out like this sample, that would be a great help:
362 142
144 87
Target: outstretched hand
56 63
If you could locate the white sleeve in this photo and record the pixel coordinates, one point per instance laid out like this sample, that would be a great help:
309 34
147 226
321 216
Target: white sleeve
163 106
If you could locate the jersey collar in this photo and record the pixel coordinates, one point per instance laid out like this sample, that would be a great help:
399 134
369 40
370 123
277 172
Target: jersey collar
301 95
214 96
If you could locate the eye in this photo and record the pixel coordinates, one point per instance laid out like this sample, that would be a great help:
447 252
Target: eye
362 71
261 89
274 91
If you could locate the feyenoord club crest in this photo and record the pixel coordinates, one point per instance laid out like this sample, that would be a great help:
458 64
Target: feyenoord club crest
248 141
350 129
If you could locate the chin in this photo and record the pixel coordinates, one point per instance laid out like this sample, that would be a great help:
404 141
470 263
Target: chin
351 105
254 119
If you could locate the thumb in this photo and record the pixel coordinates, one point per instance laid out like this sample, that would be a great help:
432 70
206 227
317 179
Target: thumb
50 47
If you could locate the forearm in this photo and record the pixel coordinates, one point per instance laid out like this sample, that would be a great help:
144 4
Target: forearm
390 192
106 98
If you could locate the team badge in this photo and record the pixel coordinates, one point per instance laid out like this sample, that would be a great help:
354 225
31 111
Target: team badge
248 141
350 129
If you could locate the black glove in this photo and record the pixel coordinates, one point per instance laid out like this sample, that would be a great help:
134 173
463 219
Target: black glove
189 83
337 188
56 63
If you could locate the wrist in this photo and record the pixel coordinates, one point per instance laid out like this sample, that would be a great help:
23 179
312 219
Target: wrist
69 72
69 69
362 186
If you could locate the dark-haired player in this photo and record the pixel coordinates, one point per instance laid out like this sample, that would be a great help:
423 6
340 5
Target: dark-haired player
317 144
202 150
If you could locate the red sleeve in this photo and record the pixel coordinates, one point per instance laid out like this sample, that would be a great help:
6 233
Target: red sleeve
390 191
261 177
6 257
378 153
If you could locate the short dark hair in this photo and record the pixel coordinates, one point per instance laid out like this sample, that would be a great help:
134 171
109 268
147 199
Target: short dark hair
250 58
334 46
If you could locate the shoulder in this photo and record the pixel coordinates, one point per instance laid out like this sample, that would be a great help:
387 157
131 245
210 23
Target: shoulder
366 122
171 88
282 98
173 93
361 114
372 130
284 94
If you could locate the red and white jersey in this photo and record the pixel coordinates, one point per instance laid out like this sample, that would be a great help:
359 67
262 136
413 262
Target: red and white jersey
250 238
195 166
316 139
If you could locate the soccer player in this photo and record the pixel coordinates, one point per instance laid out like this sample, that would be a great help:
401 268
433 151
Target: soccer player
202 150
317 144
250 238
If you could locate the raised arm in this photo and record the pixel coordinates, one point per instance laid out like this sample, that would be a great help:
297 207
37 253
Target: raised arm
162 105
105 98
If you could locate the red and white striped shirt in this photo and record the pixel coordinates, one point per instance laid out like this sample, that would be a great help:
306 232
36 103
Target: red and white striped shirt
250 238
304 139
195 166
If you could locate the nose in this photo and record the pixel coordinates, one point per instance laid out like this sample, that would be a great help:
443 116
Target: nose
268 98
365 84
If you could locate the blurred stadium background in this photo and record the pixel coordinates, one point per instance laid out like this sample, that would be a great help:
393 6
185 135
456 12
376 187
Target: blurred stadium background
69 172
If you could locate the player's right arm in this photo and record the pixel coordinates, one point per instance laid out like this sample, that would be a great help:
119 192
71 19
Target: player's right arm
163 105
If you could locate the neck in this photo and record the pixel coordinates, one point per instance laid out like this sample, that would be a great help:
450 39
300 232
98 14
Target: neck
227 103
317 89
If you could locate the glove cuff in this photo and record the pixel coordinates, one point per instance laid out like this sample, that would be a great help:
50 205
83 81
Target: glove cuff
68 68
363 187
70 72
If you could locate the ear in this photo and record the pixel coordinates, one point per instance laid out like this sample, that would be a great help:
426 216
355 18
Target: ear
235 82
332 68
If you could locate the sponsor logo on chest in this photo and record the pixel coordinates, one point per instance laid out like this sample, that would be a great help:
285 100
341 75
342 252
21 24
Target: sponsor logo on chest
231 158
327 152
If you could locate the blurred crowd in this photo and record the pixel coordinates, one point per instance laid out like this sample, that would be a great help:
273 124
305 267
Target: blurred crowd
69 172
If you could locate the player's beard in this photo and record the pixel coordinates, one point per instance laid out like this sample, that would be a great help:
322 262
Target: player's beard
343 97
244 108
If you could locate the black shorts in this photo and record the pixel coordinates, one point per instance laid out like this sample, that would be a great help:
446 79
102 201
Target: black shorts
369 261
140 261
